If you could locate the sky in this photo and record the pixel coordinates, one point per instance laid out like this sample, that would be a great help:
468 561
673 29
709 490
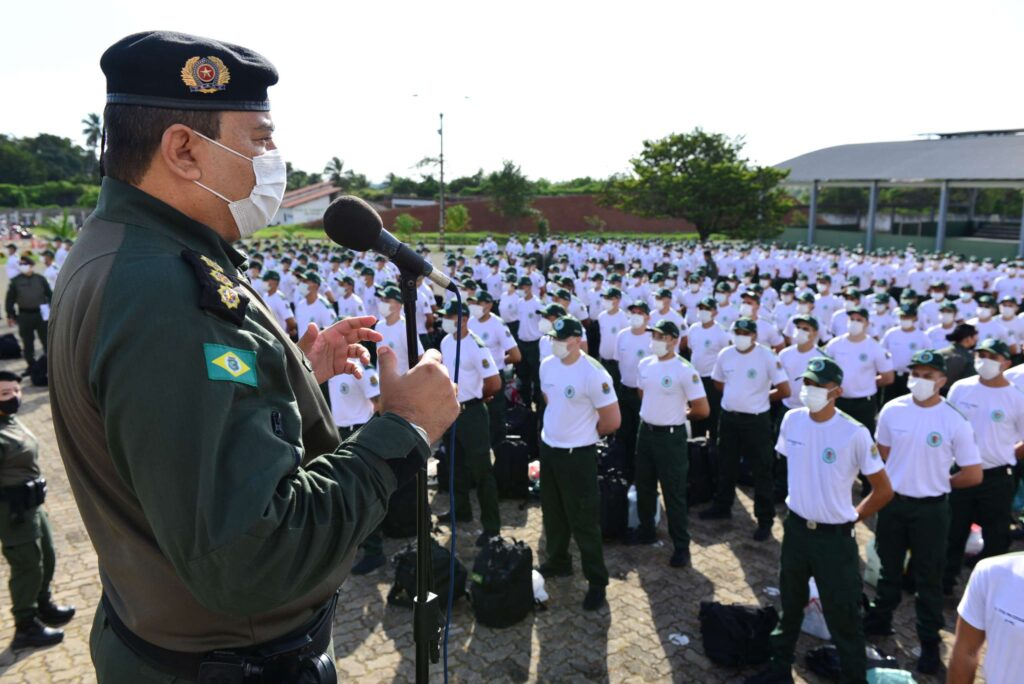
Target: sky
563 88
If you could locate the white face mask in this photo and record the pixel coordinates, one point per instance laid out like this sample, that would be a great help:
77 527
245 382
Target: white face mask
907 323
721 297
765 284
856 327
921 388
608 304
814 398
694 287
476 311
544 326
303 290
746 310
742 342
448 325
881 309
850 304
659 348
946 318
803 308
637 321
801 336
383 309
1007 311
936 296
966 296
670 283
560 348
987 368
257 210
25 269
880 290
704 316
787 298
984 313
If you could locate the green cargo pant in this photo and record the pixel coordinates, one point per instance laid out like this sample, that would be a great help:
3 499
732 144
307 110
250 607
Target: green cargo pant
496 409
661 457
750 434
831 558
28 548
473 467
989 505
30 326
570 506
629 410
115 663
922 527
528 372
862 410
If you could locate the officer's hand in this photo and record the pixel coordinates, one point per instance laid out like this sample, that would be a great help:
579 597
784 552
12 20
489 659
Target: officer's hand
331 349
425 395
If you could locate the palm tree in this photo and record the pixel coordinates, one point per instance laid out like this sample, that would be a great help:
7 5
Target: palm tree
335 170
93 132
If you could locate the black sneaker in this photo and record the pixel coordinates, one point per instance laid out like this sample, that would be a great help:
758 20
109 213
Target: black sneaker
594 599
763 531
368 564
34 634
635 538
715 513
447 518
548 572
876 625
49 613
770 676
929 662
680 558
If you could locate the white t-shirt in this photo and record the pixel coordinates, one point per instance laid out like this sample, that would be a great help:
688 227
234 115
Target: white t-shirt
573 392
351 306
794 362
924 443
318 312
629 350
610 325
995 413
823 462
1016 375
394 337
748 378
278 306
672 315
705 343
350 398
937 335
475 364
861 362
529 315
667 387
495 335
994 603
902 345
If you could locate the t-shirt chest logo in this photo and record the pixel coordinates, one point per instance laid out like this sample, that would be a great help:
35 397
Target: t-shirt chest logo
998 416
484 336
570 391
828 455
863 357
344 388
666 382
934 439
913 346
615 329
640 353
751 373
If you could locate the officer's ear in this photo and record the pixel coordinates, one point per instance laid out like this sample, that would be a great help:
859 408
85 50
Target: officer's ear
177 152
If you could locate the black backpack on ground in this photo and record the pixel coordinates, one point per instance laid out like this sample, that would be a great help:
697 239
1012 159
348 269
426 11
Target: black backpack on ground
501 586
736 635
37 372
700 480
403 591
824 660
521 422
400 520
512 468
9 347
614 490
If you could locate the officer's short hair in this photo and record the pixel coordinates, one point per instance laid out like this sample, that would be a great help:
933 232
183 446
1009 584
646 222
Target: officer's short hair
8 376
134 133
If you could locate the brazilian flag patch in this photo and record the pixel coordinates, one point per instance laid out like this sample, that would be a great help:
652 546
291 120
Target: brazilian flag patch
230 364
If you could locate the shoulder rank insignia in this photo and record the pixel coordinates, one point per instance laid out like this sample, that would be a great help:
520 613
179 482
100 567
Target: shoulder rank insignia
219 293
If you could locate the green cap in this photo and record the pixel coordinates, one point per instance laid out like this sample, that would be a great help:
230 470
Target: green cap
453 307
612 292
665 327
806 297
823 370
565 327
930 358
663 293
639 304
553 311
808 319
994 346
346 280
881 298
390 292
524 281
723 287
367 271
787 287
860 311
312 277
745 325
750 293
481 296
271 275
947 305
708 303
561 293
907 310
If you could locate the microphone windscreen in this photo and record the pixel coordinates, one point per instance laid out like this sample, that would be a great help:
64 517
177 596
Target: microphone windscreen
352 223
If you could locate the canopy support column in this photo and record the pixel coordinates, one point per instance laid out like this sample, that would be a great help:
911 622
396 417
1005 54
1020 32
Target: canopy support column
940 232
872 215
812 213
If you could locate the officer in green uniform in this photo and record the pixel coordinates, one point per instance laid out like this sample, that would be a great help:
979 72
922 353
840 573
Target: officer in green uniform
826 449
25 529
26 294
223 508
959 355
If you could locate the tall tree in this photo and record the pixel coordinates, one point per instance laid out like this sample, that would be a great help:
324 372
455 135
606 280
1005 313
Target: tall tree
702 177
510 190
335 171
93 133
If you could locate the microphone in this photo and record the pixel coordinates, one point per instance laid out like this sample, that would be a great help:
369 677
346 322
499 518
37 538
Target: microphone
351 222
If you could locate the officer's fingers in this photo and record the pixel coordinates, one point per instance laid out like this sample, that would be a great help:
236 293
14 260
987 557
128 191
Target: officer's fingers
431 356
387 364
309 338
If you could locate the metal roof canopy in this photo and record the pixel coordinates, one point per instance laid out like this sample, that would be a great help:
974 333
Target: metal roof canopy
975 159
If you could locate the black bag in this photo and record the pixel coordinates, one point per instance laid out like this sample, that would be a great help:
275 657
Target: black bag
736 635
614 490
700 480
824 660
512 469
37 372
9 347
521 422
442 468
400 520
403 591
501 587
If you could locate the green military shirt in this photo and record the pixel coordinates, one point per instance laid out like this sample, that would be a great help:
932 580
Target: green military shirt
28 292
199 447
19 453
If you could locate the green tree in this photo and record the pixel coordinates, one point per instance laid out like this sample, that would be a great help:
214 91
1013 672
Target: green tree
510 190
61 227
298 178
335 171
17 165
456 218
406 226
596 223
93 133
701 177
61 159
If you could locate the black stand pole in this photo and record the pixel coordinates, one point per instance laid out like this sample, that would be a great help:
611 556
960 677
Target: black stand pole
426 618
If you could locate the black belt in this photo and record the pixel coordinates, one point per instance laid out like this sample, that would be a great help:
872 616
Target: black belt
28 309
997 473
662 428
280 660
921 499
842 529
848 399
569 450
471 402
741 413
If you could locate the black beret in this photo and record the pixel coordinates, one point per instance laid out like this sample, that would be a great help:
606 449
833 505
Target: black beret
180 71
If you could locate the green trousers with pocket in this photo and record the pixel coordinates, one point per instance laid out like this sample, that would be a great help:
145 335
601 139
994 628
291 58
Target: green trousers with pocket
989 505
749 434
473 467
662 458
28 548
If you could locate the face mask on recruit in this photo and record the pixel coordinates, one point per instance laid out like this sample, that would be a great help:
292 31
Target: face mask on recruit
256 211
921 388
946 318
448 325
907 323
984 313
544 326
704 316
25 269
803 308
742 342
856 327
302 290
987 368
476 311
608 304
801 336
814 398
694 287
966 296
560 348
636 321
721 297
1008 311
850 304
10 406
670 283
659 348
746 310
937 296
383 309
881 309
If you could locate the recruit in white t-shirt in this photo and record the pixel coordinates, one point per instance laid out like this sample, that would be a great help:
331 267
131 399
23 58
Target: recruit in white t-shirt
630 348
475 364
997 416
573 392
667 386
705 344
994 603
794 362
748 378
350 397
861 362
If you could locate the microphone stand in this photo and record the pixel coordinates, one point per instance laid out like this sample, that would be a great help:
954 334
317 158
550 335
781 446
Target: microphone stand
426 616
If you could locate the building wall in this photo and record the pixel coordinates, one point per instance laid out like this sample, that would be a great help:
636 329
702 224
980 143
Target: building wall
306 212
996 249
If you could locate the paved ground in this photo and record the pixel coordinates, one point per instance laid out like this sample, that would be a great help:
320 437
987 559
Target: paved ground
627 642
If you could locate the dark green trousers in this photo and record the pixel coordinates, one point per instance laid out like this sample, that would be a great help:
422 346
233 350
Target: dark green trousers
373 545
862 410
897 389
988 504
750 434
831 558
709 426
28 548
570 505
629 410
528 372
496 409
473 467
661 458
30 326
921 527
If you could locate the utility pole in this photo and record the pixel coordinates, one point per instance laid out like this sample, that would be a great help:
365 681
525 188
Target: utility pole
440 159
